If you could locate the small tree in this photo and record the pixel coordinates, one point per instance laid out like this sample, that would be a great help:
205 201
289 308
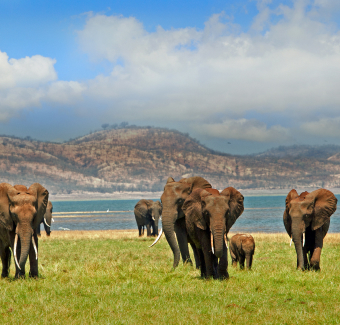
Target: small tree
105 126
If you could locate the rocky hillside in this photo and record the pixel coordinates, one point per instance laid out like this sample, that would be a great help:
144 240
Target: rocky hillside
140 159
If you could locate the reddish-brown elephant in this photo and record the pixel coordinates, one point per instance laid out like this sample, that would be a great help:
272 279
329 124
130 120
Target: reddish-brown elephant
21 211
208 212
306 219
242 248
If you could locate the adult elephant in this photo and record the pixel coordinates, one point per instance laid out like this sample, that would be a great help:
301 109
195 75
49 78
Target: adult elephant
47 221
21 210
173 220
209 212
147 213
308 215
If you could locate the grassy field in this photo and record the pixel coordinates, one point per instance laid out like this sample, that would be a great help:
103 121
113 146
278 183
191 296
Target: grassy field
112 277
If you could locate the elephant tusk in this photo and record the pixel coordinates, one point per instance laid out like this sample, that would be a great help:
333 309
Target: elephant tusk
46 223
303 240
291 239
52 220
212 243
35 248
157 239
15 251
226 239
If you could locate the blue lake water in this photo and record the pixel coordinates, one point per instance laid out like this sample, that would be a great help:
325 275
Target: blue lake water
261 214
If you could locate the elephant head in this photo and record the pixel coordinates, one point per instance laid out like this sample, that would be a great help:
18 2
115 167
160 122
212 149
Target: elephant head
48 218
307 209
21 211
217 211
172 199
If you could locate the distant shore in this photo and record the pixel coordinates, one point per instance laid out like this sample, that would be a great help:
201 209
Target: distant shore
88 196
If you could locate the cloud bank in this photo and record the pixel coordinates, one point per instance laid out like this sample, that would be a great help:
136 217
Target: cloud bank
287 64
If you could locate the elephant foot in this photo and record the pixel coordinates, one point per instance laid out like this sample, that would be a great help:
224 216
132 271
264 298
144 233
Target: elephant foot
234 264
4 275
48 235
223 276
315 266
38 235
20 276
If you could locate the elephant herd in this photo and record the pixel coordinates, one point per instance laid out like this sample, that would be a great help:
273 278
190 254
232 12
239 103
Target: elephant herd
192 213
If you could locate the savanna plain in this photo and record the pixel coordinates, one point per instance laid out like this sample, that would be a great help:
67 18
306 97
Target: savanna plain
112 277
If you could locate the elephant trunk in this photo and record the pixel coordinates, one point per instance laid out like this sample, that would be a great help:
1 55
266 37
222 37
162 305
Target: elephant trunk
168 221
297 239
25 243
218 234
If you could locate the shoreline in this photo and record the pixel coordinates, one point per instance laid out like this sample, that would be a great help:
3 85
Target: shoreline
96 196
133 234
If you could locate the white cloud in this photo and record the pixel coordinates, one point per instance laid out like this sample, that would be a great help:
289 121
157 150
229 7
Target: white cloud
197 76
324 127
243 129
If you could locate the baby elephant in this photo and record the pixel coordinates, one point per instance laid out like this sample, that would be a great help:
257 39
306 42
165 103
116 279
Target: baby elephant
242 247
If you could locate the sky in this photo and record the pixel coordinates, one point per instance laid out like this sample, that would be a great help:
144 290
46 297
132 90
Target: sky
240 76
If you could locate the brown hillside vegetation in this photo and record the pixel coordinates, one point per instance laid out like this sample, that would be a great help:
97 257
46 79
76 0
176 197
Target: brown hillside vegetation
140 159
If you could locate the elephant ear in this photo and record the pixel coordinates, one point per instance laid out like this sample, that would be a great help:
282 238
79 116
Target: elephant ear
5 217
324 206
160 207
41 194
235 205
192 208
170 180
196 182
287 221
141 207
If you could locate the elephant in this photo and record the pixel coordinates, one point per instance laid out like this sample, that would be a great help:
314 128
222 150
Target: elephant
242 247
147 213
47 221
211 213
307 219
173 218
21 211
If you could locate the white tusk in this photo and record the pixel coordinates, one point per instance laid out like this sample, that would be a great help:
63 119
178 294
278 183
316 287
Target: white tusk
226 239
303 240
35 248
52 220
46 223
212 243
157 239
15 251
291 239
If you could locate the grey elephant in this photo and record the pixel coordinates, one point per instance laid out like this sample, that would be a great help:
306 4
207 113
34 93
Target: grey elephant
307 219
147 213
242 247
173 218
47 220
209 212
21 211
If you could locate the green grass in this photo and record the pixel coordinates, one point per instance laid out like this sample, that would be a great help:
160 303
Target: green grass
122 281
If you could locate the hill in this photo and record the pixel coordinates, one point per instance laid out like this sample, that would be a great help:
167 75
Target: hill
141 159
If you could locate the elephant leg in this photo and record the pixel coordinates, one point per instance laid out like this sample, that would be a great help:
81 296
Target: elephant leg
140 230
315 259
233 256
241 260
32 257
6 260
249 260
222 270
202 262
18 272
205 241
182 239
148 229
197 258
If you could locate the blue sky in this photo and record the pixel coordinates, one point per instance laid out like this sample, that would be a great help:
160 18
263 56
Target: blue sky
240 76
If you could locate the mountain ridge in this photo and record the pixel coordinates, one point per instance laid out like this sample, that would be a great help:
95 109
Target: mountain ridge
141 159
